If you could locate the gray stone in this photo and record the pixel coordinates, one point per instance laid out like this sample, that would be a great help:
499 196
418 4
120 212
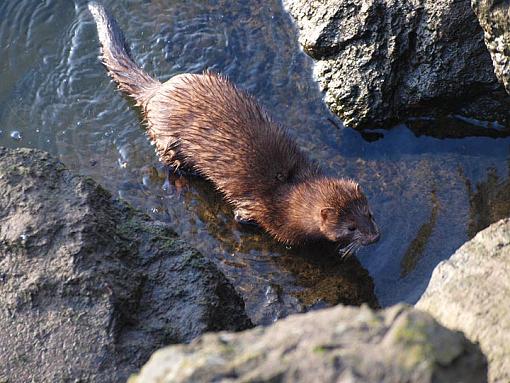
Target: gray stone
340 344
381 61
471 292
89 288
494 17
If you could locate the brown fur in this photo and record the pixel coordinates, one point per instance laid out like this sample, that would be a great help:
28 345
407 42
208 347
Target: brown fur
205 123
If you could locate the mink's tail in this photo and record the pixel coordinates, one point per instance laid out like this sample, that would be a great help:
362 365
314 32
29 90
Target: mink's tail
116 56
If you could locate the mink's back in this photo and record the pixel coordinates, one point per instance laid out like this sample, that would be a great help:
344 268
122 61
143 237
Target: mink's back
205 123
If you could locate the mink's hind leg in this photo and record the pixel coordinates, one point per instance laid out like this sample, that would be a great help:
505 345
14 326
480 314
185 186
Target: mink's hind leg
170 157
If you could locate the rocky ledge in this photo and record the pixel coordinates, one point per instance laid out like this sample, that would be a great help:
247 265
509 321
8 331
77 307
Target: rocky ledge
494 17
381 61
340 344
471 292
89 287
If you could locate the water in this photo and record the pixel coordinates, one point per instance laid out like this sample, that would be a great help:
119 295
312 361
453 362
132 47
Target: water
429 193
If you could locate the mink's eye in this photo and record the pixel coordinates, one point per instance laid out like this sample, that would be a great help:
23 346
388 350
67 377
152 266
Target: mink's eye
351 227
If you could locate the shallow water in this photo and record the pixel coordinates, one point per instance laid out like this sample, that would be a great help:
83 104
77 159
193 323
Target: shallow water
429 194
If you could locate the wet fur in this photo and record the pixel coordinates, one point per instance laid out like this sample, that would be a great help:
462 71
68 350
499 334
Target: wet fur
205 123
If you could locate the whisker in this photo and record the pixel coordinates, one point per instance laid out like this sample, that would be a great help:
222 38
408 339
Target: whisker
352 248
346 250
346 254
344 247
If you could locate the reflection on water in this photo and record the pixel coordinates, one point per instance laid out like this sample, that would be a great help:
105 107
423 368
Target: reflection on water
417 246
429 191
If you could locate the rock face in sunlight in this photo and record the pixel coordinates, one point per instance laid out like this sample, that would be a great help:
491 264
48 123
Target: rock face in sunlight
340 344
380 61
89 288
494 18
471 292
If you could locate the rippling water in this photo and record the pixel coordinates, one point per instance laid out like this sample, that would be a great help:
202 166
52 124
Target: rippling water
428 194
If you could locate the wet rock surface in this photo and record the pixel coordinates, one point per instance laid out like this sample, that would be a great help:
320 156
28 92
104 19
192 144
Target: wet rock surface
381 61
89 287
489 200
494 18
340 344
471 292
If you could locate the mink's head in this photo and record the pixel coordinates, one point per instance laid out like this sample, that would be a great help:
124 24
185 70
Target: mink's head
345 215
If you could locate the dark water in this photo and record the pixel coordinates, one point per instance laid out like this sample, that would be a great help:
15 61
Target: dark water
428 194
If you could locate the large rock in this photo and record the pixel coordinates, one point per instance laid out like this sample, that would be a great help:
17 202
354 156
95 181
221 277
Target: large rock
341 344
89 288
380 61
494 17
471 292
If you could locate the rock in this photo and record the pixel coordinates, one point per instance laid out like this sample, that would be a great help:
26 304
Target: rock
340 344
90 287
380 61
494 17
489 201
471 292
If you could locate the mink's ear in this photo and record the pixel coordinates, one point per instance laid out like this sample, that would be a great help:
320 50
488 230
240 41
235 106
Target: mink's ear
358 189
327 214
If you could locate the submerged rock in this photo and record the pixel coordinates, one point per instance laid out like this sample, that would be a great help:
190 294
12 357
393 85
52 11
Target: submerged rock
494 17
380 61
89 287
489 201
471 292
340 344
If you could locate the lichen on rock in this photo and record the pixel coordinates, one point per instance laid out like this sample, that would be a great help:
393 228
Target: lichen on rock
470 292
340 344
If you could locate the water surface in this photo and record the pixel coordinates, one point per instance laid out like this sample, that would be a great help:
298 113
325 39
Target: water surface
428 194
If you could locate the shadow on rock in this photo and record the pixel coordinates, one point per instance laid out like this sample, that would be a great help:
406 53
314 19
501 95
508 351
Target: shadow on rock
326 278
456 127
